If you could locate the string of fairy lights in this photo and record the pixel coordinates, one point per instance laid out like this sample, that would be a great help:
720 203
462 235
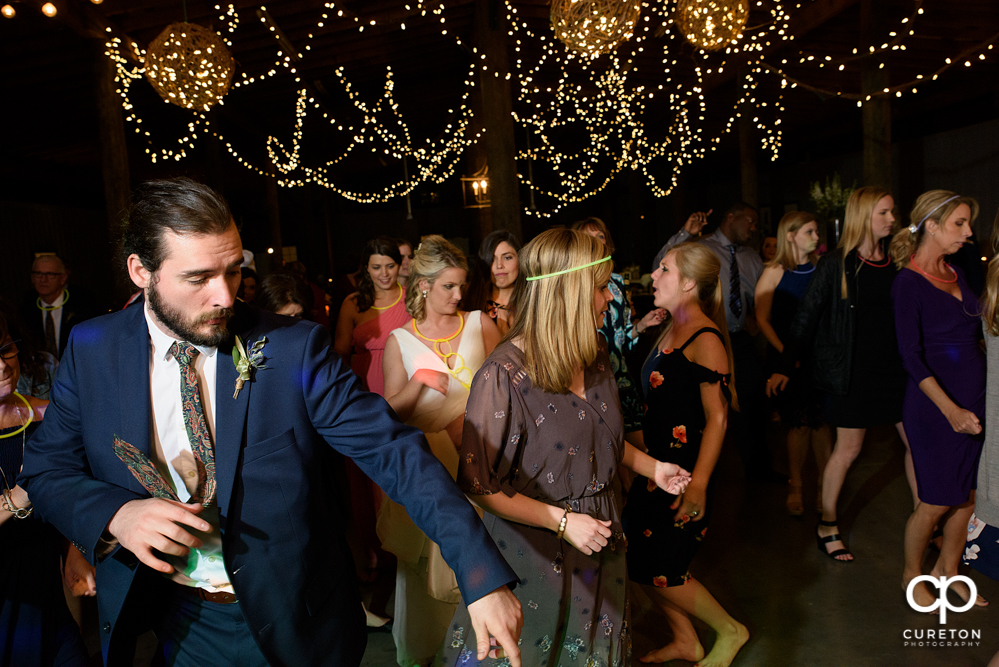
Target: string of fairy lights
600 95
613 116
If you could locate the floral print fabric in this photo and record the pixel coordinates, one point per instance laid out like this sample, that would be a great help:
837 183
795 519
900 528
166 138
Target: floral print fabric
981 551
617 330
563 451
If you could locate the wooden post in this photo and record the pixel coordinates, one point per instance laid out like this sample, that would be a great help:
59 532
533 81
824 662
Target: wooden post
214 172
114 150
480 219
114 163
747 146
274 215
497 111
876 113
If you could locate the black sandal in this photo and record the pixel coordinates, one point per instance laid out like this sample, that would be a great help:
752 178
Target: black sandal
823 541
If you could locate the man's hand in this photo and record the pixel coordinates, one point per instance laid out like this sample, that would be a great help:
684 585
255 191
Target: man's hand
153 523
696 222
497 620
79 575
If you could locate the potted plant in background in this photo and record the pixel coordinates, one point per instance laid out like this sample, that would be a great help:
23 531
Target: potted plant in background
830 202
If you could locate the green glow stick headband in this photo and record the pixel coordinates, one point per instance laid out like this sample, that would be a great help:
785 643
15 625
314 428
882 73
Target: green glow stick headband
575 268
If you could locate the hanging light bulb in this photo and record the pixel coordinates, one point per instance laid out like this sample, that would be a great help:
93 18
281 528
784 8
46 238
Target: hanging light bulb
49 9
7 11
97 2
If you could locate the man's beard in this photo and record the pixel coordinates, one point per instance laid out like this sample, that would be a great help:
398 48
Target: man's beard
187 330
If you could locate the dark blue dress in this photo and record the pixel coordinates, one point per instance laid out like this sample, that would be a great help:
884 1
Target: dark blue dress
36 629
660 549
939 336
799 404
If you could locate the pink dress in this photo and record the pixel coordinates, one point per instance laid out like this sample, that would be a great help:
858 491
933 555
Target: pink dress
369 344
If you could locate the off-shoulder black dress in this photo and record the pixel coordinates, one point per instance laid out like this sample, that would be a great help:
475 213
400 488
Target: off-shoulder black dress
660 549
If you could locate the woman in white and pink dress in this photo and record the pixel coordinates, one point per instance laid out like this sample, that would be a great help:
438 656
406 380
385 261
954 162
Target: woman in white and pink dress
429 364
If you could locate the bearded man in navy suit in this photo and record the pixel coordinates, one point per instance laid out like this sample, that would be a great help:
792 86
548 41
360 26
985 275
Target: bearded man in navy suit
192 452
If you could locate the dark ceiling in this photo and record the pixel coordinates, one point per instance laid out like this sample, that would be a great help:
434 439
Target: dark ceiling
50 99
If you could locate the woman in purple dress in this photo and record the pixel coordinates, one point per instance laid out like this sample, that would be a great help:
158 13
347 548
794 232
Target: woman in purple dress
937 321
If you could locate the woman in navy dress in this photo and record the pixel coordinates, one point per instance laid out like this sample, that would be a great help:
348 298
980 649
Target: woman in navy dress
686 381
937 321
778 291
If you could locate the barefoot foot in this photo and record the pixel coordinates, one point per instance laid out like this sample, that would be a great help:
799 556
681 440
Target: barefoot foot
920 594
689 651
726 646
962 590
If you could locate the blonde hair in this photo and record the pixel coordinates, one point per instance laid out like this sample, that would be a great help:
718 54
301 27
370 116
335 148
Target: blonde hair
556 325
434 255
929 206
696 262
789 224
857 225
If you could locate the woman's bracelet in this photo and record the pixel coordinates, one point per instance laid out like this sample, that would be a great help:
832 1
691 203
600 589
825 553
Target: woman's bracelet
563 522
18 512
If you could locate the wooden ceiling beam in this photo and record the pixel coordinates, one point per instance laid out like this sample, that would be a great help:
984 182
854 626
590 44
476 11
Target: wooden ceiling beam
87 21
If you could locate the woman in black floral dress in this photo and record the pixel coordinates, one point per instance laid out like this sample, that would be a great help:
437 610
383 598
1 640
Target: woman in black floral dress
543 438
686 381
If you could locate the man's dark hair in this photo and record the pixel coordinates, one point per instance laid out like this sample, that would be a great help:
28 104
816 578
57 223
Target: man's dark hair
737 208
179 205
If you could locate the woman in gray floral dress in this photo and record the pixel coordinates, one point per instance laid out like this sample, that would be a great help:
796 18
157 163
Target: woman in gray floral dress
542 441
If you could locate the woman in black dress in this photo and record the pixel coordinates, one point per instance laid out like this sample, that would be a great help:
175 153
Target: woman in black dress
847 318
686 381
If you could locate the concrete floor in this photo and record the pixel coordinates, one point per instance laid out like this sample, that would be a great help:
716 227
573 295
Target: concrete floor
802 608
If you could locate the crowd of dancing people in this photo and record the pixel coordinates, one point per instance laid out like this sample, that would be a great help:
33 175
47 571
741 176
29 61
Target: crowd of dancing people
594 477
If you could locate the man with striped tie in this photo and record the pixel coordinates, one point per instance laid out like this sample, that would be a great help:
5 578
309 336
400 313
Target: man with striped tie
741 267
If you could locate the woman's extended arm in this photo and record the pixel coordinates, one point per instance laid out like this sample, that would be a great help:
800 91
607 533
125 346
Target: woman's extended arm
707 351
661 472
764 303
581 530
344 338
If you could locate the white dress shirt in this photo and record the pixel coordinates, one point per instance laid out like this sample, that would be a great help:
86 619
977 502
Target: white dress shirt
56 317
173 457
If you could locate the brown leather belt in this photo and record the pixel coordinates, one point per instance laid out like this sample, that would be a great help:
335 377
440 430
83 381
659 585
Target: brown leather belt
221 597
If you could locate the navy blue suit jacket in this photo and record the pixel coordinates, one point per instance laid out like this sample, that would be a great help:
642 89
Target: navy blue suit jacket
282 519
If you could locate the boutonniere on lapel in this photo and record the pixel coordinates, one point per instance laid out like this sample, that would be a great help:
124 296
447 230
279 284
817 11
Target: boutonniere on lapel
247 361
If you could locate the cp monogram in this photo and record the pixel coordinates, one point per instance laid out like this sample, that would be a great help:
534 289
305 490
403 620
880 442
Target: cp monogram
942 603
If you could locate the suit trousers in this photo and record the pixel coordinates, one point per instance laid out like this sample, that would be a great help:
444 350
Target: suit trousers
193 632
